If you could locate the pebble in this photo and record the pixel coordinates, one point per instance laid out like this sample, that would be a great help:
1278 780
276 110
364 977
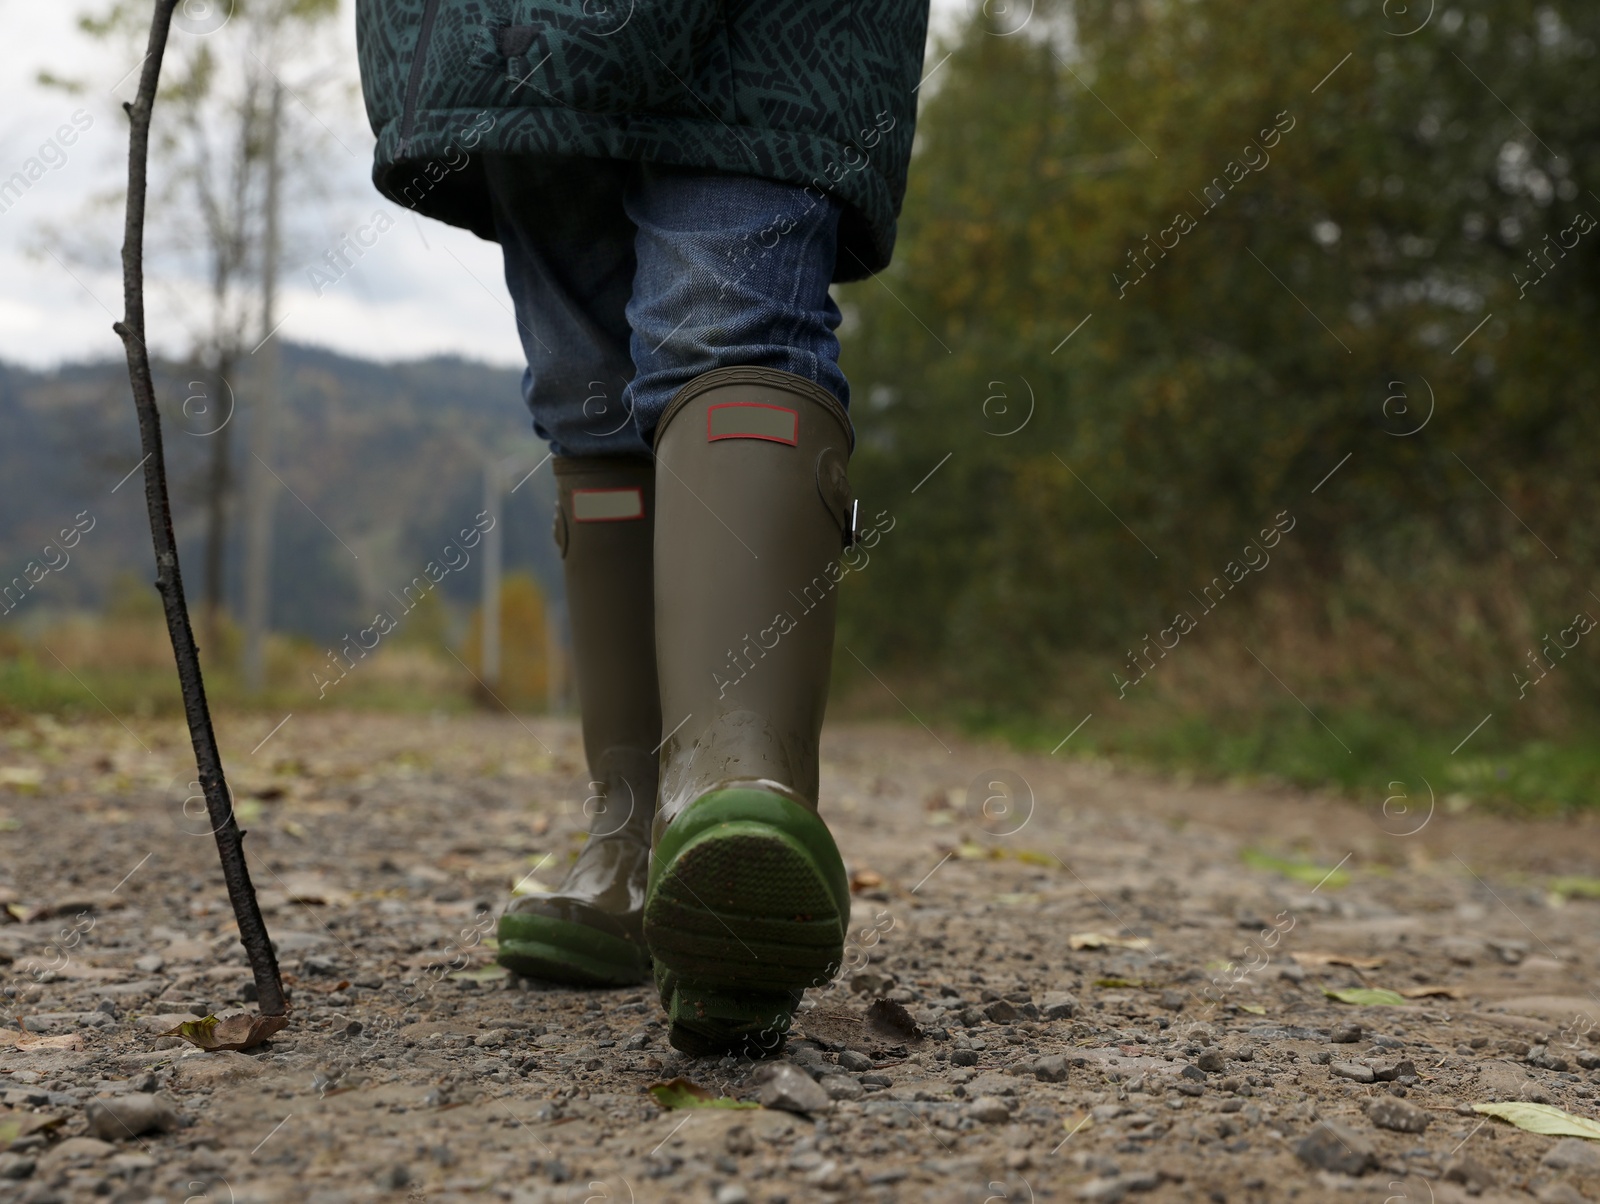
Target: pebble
841 1086
851 1060
1388 1072
130 1115
1104 1190
1574 1153
964 1057
163 1022
1471 1174
1352 1070
1389 1112
989 1110
1051 1069
1345 1034
215 1069
1331 1146
1002 1011
732 1193
15 1166
1210 1060
75 1150
785 1086
1058 1005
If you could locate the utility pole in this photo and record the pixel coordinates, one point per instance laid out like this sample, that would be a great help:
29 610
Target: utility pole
492 545
261 491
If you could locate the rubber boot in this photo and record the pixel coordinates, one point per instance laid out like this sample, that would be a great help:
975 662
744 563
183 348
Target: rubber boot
748 900
590 930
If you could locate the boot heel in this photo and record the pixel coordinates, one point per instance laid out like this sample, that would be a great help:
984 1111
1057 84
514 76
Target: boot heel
747 908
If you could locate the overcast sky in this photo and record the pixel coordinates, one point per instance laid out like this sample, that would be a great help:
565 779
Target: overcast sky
424 289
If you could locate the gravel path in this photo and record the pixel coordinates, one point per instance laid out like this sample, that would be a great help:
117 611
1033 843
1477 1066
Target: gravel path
1113 986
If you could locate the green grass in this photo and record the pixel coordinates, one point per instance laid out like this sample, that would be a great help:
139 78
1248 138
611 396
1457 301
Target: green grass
1383 758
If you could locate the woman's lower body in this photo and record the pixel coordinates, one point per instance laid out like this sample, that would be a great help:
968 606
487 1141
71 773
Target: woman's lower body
682 363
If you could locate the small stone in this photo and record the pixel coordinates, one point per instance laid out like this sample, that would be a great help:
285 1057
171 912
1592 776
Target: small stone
1331 1146
492 1039
130 1115
785 1086
1173 1001
1051 1069
1002 1012
989 1110
395 1177
1106 1189
1388 1072
852 1060
1388 1112
75 1151
1572 1153
841 1086
964 1057
1059 1006
215 1069
1292 971
1346 1034
1354 1071
1560 1193
635 1043
1210 1060
163 1022
15 1166
1471 1174
732 1193
1589 1061
150 963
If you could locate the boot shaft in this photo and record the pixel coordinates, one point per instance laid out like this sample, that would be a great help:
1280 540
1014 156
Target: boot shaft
604 526
754 513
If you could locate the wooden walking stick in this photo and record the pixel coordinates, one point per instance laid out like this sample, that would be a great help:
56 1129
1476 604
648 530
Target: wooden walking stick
169 581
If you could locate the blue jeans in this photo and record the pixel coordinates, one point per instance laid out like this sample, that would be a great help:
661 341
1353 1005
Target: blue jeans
631 279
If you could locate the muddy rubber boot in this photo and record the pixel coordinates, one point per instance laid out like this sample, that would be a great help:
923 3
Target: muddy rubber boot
589 932
748 901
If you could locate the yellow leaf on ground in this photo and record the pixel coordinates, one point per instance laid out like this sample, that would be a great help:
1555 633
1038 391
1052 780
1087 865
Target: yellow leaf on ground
242 1030
1542 1118
1337 959
1098 940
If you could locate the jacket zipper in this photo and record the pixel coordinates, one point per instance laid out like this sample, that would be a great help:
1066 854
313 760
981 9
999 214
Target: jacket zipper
408 116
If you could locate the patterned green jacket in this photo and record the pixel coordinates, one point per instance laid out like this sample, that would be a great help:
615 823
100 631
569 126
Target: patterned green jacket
814 92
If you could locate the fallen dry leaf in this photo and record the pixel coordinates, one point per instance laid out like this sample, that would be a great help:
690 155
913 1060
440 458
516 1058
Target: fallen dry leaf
26 1040
1337 959
72 905
242 1030
1368 997
1432 992
15 1125
1098 940
865 879
891 1019
682 1093
1542 1118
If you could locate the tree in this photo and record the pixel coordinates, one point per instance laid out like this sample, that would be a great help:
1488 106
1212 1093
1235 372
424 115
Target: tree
221 100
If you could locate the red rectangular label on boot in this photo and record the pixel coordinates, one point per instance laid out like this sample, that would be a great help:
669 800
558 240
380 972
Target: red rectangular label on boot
607 505
752 420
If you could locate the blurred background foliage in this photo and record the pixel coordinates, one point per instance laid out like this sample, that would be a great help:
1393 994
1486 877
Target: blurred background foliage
1170 272
1365 192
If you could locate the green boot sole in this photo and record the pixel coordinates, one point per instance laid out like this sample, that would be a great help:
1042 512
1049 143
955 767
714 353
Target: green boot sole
554 950
747 907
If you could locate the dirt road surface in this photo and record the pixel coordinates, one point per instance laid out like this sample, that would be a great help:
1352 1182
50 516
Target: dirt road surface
1118 985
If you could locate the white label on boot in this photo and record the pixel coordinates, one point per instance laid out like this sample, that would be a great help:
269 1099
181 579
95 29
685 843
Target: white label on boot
607 505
